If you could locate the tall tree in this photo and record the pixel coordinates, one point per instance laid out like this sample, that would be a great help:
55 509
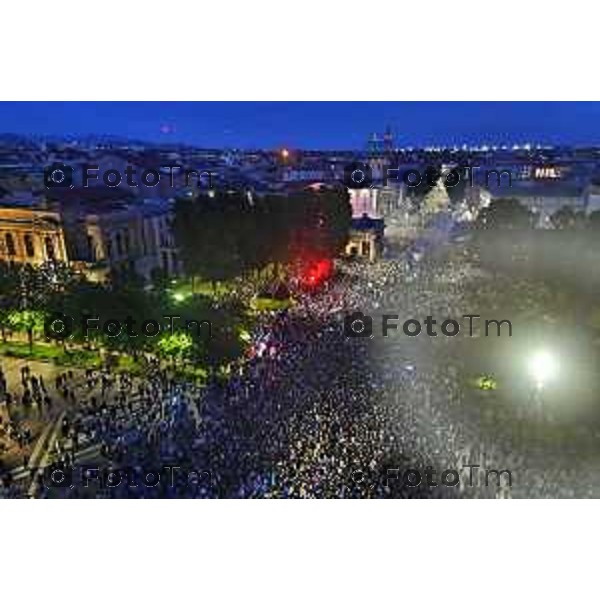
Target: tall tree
504 213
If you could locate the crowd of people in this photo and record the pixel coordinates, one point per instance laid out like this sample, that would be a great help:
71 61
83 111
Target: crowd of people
313 413
26 408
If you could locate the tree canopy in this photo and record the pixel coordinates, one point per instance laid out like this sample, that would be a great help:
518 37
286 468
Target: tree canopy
231 234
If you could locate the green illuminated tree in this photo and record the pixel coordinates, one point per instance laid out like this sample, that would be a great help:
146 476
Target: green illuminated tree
30 322
174 346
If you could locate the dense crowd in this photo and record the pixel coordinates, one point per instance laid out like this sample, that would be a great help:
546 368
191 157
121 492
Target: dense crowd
314 414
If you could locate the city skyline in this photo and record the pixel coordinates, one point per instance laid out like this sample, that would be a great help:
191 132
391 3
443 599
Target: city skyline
310 125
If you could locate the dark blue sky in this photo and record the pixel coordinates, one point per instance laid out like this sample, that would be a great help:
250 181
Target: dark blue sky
310 124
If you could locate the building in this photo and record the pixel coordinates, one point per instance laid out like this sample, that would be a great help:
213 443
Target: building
366 238
363 202
105 238
31 235
381 144
378 202
120 239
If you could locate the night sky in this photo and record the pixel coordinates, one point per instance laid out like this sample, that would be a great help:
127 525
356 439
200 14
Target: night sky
318 125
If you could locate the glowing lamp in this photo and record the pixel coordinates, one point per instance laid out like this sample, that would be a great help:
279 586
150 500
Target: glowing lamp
542 367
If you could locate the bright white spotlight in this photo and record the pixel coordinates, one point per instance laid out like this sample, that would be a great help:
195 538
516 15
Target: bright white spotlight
543 367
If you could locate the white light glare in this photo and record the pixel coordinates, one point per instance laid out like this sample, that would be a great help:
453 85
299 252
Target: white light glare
543 366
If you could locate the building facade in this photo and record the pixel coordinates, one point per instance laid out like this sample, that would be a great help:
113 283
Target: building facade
122 240
104 240
366 238
31 235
